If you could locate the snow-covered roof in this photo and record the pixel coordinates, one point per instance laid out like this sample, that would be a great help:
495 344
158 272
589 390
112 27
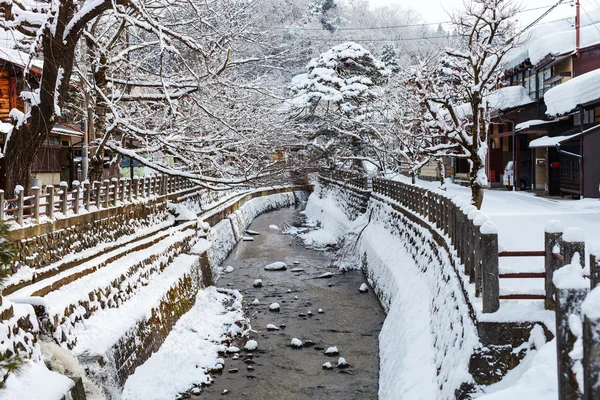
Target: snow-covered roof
556 37
566 97
530 123
501 99
19 58
67 130
546 141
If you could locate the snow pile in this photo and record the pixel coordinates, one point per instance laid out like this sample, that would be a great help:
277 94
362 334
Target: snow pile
570 277
428 338
35 382
567 96
189 352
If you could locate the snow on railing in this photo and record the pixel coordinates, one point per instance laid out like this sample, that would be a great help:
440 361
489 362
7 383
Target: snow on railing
53 203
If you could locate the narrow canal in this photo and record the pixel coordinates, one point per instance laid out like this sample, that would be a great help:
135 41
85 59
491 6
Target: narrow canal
349 320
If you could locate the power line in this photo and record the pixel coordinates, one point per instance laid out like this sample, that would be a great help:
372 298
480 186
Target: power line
542 16
386 27
586 13
380 40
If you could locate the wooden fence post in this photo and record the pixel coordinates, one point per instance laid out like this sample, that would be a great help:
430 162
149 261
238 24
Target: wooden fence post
490 284
574 246
136 187
591 345
144 187
552 245
122 190
478 221
64 206
129 194
36 203
76 197
114 182
98 190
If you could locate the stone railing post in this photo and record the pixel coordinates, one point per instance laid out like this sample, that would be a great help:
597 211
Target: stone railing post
552 245
20 204
98 190
129 187
36 203
114 183
1 206
50 201
87 195
76 197
490 283
122 193
473 235
106 184
136 187
595 267
574 246
571 289
143 190
591 345
64 206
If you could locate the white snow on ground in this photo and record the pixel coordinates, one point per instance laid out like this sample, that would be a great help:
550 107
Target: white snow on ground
190 350
537 382
35 382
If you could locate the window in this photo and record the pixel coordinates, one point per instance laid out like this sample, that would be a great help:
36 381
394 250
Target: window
588 118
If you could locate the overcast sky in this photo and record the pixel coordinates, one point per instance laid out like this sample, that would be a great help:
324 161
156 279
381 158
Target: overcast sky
436 10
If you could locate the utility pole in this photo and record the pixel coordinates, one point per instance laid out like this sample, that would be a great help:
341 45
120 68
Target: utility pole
577 28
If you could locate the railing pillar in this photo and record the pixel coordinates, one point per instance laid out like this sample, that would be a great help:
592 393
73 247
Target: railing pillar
114 183
490 286
128 185
136 187
87 195
106 184
574 246
144 187
571 289
76 197
122 190
1 206
98 190
50 202
36 203
20 204
64 206
591 345
552 245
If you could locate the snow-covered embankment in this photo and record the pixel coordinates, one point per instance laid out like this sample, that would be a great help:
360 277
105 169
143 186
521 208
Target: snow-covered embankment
428 336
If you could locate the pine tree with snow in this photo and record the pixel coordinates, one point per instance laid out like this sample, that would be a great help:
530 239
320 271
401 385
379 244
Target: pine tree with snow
388 57
334 101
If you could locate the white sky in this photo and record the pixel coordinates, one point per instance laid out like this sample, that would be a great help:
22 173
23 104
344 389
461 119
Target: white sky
435 10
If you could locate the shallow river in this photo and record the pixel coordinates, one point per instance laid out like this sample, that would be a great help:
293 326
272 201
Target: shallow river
350 320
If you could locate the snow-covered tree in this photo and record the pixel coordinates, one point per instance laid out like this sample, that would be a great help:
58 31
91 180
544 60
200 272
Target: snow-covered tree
334 101
454 89
388 57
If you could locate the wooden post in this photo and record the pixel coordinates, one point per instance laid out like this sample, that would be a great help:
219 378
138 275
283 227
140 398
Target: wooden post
64 206
472 235
591 345
552 244
36 203
50 201
76 197
478 221
87 195
1 207
122 190
490 284
20 204
144 187
106 184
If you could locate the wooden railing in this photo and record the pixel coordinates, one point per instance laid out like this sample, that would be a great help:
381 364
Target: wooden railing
86 197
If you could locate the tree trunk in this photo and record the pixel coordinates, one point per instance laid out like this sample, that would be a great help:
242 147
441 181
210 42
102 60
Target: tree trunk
96 172
474 180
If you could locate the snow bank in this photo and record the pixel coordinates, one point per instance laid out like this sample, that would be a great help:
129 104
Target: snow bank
427 340
35 382
189 352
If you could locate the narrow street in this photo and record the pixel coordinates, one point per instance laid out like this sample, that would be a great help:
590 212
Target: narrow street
349 320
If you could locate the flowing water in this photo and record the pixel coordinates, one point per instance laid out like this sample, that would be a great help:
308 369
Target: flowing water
350 320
